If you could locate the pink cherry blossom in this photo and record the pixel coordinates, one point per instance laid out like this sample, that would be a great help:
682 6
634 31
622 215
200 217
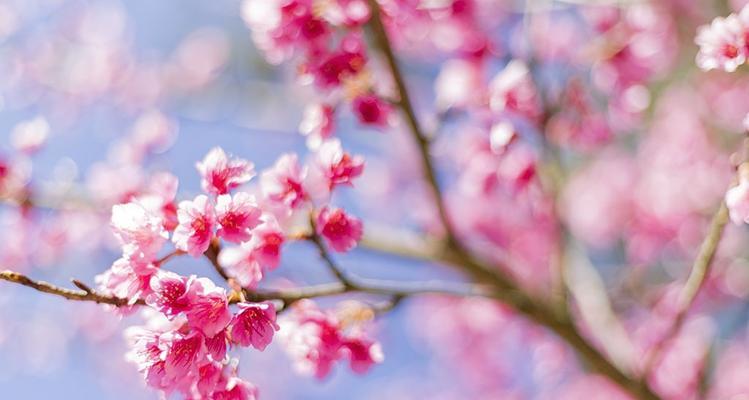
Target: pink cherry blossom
181 353
341 231
330 69
236 216
314 339
236 389
347 12
262 252
254 325
195 230
240 263
220 174
140 232
339 167
217 345
317 124
371 110
722 44
158 198
127 279
209 308
280 27
146 353
169 293
283 183
362 353
513 91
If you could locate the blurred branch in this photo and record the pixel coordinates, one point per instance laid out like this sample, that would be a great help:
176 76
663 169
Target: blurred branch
504 288
420 138
700 271
589 292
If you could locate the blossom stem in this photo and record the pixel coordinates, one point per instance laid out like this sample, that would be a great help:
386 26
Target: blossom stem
212 255
695 281
169 256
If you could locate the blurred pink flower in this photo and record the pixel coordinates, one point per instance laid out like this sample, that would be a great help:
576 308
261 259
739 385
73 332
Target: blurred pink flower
372 110
340 230
282 183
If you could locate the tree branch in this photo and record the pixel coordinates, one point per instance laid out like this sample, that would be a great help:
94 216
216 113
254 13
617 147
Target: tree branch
86 294
212 255
420 138
700 271
504 288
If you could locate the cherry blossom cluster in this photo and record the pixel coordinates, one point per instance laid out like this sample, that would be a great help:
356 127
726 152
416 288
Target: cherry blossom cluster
188 352
327 37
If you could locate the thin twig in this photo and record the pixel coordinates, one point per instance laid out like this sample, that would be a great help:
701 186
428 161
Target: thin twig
700 271
175 253
325 255
394 289
87 294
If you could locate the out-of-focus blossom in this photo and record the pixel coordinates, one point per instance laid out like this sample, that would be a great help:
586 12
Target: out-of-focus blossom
280 27
512 91
332 166
459 84
283 183
371 110
317 124
30 136
140 232
315 340
341 231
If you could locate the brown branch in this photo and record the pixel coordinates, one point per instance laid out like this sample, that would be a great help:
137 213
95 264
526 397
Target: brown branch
212 255
700 271
420 138
504 288
87 294
393 289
